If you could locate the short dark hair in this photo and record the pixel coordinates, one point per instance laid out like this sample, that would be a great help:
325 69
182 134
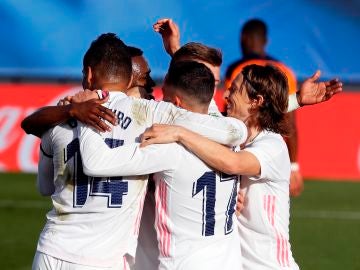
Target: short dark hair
193 79
135 51
198 52
109 58
271 83
255 26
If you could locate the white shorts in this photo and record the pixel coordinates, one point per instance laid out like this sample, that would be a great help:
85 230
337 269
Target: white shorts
43 261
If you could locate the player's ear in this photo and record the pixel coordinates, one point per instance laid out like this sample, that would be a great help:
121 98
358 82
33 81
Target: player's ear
89 76
177 101
130 82
257 102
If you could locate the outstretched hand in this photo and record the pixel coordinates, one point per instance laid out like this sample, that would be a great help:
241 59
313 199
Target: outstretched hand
159 133
92 113
170 34
313 92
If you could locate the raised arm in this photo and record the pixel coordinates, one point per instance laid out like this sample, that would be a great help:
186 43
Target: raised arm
170 34
100 160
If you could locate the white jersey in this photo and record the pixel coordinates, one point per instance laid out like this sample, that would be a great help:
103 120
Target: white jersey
264 221
213 109
95 221
194 204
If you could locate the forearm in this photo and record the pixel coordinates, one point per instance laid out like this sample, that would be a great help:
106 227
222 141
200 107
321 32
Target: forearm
225 130
218 156
100 160
45 118
292 140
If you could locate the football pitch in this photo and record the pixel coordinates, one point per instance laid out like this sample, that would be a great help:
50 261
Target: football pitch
324 231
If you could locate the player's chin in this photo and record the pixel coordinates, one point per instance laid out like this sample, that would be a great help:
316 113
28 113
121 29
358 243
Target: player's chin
229 111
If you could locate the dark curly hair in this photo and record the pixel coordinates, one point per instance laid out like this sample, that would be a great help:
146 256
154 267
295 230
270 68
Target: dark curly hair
272 85
109 58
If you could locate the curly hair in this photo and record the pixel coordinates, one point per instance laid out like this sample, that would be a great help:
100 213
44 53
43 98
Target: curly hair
109 57
272 85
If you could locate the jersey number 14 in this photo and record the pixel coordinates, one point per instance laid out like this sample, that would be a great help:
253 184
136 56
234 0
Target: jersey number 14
114 188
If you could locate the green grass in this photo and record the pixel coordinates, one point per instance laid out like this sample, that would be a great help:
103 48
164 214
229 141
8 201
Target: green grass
22 215
325 226
325 223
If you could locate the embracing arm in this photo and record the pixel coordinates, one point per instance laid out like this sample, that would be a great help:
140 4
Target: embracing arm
215 155
45 118
224 130
100 160
90 112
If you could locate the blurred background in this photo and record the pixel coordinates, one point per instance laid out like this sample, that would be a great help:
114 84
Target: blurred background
41 48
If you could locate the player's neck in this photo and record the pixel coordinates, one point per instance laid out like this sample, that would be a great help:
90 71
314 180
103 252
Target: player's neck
196 108
113 87
255 51
253 132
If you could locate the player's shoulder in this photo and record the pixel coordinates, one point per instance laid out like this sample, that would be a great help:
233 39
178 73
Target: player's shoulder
64 131
269 142
269 137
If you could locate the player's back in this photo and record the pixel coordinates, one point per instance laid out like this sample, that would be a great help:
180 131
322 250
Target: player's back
194 219
95 220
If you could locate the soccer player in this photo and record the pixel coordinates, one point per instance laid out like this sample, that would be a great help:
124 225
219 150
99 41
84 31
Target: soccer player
253 41
91 112
194 203
94 223
258 96
142 84
147 252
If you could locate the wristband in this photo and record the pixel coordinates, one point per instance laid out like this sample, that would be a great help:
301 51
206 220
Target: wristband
293 103
99 93
294 166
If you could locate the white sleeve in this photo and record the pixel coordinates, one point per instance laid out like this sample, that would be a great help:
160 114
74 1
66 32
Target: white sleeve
293 103
224 130
45 177
272 154
213 109
100 160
